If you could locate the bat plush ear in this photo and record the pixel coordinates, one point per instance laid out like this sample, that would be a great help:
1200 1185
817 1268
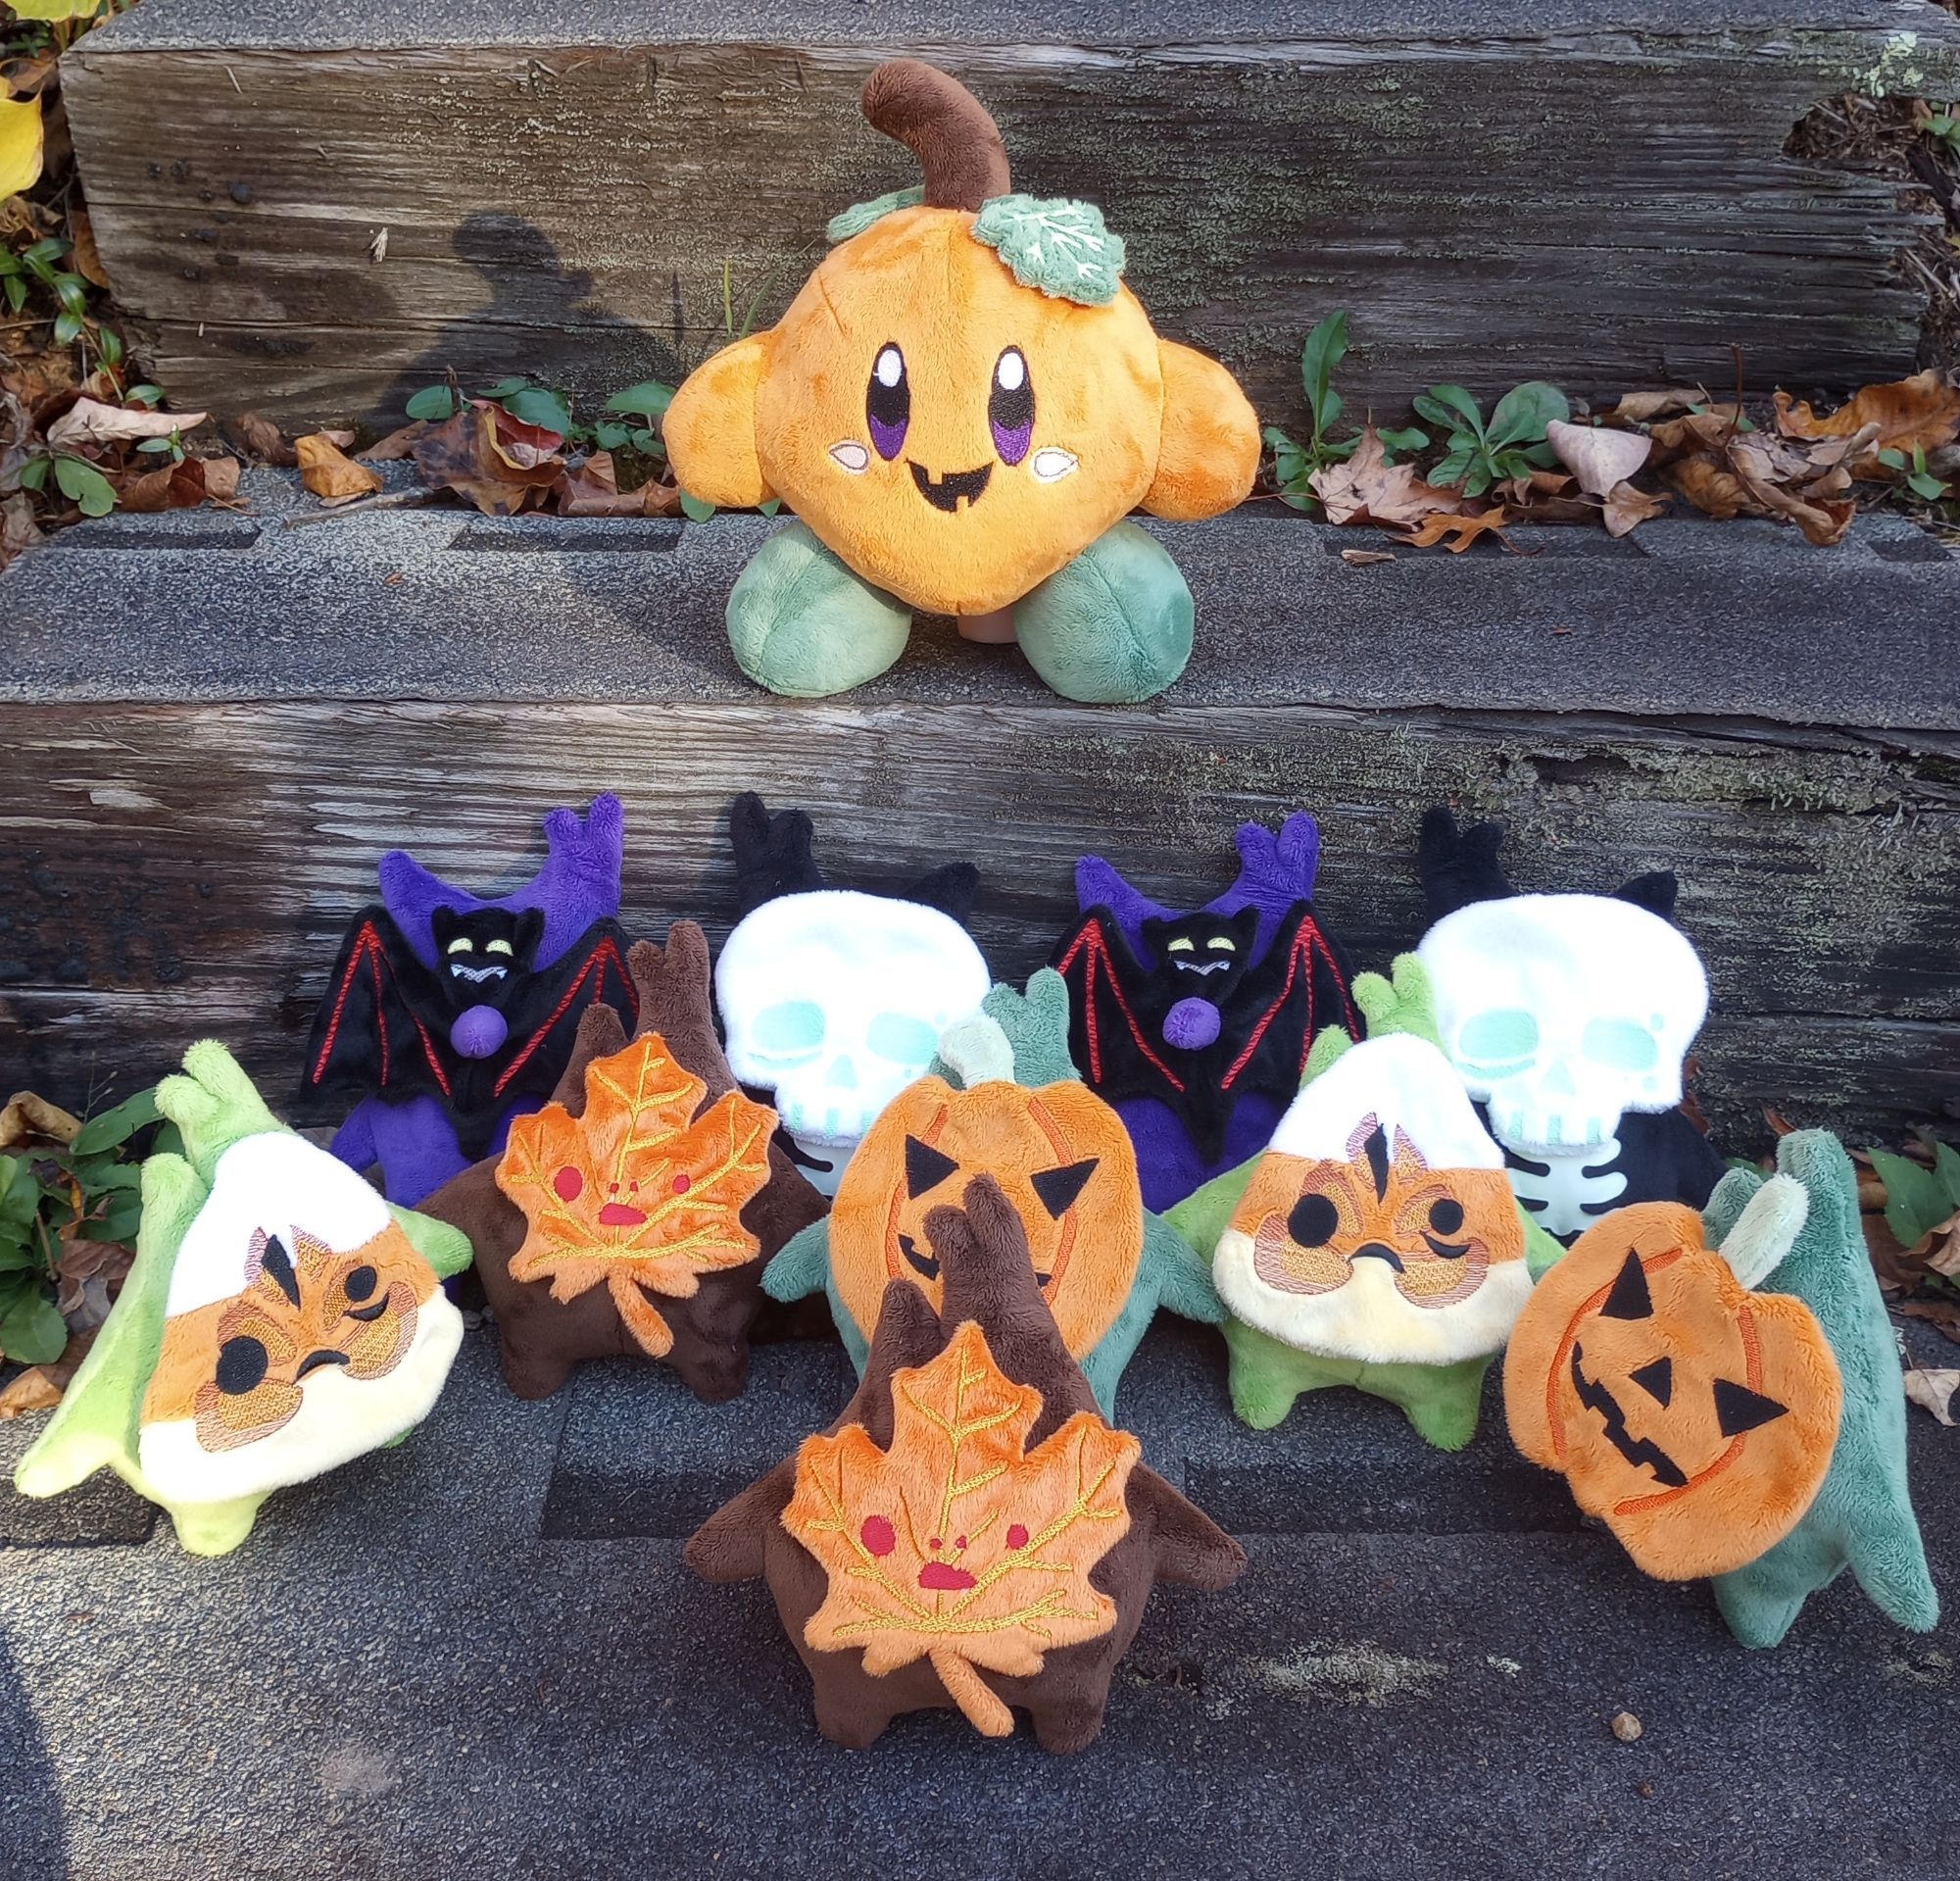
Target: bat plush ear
772 854
1657 892
951 888
1458 867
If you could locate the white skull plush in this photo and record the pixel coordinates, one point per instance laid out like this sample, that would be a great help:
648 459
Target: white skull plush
1561 1011
835 1000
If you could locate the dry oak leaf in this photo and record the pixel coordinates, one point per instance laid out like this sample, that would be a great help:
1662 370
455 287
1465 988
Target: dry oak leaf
1368 489
489 459
959 1543
1641 408
1626 508
31 1119
330 474
639 1193
89 421
1464 528
1598 458
1921 410
1933 1390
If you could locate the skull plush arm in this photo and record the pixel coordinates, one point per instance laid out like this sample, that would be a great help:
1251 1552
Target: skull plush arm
709 429
1209 451
1179 1273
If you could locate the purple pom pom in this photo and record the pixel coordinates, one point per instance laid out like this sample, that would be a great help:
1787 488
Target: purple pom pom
478 1031
1191 1023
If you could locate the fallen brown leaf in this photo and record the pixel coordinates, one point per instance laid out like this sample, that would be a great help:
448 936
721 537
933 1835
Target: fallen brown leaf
18 529
1941 1310
1366 558
221 478
329 474
90 421
1545 496
1597 458
590 487
87 259
260 439
396 445
1933 1390
474 456
33 1121
1921 410
1639 408
1713 490
174 486
1627 508
35 1388
88 1277
1368 489
1465 528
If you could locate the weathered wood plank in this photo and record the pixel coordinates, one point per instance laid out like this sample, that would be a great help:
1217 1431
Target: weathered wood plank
167 871
1597 203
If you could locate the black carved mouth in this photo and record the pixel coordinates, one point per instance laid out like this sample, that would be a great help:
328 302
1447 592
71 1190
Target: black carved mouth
1641 1452
926 1264
1378 1250
944 493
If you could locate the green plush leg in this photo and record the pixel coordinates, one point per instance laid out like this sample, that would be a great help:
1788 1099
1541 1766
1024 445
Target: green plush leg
1267 1377
214 1528
805 626
1441 1402
1114 625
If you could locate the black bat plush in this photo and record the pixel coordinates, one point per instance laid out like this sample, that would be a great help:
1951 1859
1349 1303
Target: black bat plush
480 1029
1207 1023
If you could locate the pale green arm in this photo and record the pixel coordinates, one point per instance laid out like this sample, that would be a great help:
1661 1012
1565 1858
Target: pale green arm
1178 1274
1205 1214
804 1264
446 1249
213 1104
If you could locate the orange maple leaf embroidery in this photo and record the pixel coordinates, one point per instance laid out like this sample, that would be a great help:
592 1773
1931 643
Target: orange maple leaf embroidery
637 1193
959 1543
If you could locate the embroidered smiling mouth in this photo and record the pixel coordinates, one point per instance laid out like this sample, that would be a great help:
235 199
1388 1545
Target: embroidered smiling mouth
944 493
926 1264
1202 966
1641 1452
476 973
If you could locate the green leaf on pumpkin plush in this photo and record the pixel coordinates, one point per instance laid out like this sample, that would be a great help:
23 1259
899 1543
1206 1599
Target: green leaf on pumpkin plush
861 216
694 509
1055 244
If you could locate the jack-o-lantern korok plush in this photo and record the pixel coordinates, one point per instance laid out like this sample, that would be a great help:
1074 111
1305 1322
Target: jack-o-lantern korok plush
971 1533
962 406
1737 1410
631 1216
280 1320
1376 1243
1021 1114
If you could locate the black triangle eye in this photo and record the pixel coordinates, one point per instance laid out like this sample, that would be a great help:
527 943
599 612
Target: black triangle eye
1059 1188
1656 1379
1739 1409
1630 1298
278 1263
925 1168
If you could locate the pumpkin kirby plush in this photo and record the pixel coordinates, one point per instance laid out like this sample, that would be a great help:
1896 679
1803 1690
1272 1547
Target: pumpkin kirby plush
972 1532
1019 1114
1376 1243
630 1217
962 406
280 1320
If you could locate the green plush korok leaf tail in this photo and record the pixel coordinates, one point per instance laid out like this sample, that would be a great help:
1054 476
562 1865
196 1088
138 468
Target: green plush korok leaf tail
1056 245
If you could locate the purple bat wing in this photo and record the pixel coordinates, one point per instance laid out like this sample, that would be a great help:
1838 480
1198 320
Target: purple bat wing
577 885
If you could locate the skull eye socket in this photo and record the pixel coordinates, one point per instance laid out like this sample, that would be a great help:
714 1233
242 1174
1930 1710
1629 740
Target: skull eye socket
1314 1220
241 1366
1622 1044
791 1028
1498 1042
888 401
1011 405
902 1039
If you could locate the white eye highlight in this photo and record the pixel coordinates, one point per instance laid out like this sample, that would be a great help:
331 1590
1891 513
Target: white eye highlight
850 455
1050 466
1011 374
890 365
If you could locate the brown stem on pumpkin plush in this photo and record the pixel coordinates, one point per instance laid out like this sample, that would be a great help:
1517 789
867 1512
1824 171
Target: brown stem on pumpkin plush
944 126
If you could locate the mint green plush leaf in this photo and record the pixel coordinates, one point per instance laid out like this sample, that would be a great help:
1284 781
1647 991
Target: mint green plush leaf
694 509
31 1331
861 216
1055 244
111 1128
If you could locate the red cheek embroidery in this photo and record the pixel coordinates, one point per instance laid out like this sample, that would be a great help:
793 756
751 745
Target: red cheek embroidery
1017 1536
878 1536
568 1184
683 1184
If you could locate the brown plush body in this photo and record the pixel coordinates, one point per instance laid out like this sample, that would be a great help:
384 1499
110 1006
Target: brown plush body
543 1338
996 1336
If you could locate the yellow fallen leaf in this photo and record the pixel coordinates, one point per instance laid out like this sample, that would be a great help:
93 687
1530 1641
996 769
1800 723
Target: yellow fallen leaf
55 9
19 145
330 474
1921 410
1465 528
28 1119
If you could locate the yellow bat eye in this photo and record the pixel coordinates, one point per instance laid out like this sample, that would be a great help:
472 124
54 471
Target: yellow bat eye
462 944
1180 946
498 946
1221 943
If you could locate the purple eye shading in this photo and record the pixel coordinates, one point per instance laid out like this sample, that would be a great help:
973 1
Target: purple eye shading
888 401
1011 406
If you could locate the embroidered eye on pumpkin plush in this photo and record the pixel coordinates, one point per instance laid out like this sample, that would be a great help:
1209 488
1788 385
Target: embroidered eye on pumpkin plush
1059 1153
1697 1418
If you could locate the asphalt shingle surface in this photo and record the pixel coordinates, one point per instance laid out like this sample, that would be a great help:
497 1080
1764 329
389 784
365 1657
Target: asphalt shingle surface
432 1664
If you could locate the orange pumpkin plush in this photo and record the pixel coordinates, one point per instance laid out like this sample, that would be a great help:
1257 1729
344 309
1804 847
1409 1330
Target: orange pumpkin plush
1022 1115
961 406
1695 1416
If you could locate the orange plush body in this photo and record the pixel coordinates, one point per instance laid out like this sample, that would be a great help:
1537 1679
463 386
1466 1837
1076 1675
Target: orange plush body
956 412
1695 1416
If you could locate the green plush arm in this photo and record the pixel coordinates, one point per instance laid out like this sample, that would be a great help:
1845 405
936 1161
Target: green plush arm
1178 1274
446 1249
1541 1249
213 1104
1205 1214
804 1264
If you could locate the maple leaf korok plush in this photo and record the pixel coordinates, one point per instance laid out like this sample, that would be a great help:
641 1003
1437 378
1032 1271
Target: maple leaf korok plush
1196 1025
970 1532
1376 1242
280 1320
833 999
1569 1016
962 406
1004 1100
1735 1411
631 1216
447 1015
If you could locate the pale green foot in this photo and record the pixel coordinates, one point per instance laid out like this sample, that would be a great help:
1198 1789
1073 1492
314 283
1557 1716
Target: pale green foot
1441 1402
214 1528
805 626
1114 625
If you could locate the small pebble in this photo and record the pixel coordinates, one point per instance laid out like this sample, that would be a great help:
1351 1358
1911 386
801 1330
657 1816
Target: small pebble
241 192
1626 1726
